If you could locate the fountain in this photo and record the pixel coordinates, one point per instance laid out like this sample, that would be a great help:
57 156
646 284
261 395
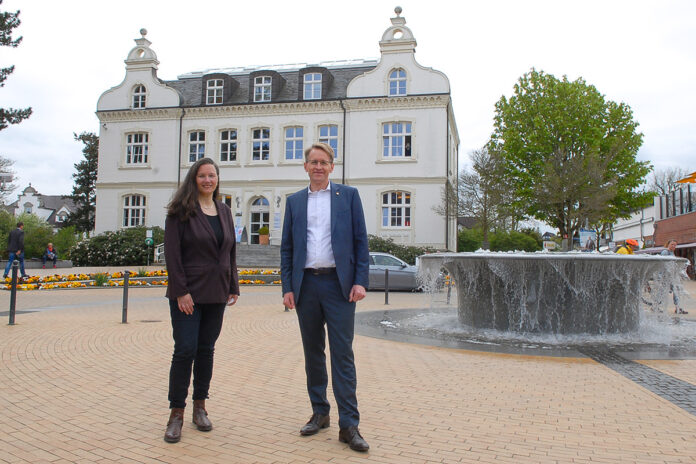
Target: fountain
557 293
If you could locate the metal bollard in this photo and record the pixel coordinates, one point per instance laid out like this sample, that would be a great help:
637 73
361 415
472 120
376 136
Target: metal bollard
386 286
13 292
286 309
449 289
124 313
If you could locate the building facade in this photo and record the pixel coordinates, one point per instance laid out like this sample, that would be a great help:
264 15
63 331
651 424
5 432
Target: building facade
389 120
54 209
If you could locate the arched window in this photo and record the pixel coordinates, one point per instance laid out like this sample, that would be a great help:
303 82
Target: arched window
396 209
133 210
139 97
397 82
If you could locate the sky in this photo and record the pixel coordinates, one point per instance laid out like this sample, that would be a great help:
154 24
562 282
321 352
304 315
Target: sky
642 53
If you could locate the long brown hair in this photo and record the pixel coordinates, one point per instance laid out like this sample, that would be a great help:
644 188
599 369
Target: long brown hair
185 201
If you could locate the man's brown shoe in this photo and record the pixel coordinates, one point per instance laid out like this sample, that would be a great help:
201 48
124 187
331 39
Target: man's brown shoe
176 420
351 435
316 422
200 416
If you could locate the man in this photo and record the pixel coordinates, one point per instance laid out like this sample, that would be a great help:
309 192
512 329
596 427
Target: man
628 249
15 247
324 269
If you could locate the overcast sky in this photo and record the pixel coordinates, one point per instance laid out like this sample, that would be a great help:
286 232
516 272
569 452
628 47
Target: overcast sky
642 53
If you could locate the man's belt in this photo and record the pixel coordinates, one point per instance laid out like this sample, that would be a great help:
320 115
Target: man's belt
320 270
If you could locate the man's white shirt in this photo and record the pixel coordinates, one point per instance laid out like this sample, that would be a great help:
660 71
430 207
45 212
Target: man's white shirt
319 250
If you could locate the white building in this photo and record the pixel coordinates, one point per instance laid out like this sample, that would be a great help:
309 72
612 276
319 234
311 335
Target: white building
639 226
390 121
54 209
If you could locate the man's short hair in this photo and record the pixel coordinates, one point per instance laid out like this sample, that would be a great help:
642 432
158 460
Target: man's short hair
20 224
325 147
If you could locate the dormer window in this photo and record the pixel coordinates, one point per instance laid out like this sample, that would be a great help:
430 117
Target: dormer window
312 86
214 90
397 82
262 89
139 97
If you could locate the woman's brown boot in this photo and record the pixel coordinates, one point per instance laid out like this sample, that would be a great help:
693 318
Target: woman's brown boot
200 416
176 421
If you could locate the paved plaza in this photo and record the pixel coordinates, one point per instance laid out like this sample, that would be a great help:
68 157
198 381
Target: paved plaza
77 386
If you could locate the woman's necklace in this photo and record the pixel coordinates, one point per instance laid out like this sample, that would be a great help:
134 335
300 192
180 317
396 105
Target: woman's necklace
208 208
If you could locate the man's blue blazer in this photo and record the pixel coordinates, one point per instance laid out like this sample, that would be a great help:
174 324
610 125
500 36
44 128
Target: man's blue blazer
348 240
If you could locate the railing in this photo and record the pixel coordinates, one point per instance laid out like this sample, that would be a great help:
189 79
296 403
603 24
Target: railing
677 202
159 254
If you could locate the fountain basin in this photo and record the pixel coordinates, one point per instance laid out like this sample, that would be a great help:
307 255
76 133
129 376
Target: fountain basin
558 293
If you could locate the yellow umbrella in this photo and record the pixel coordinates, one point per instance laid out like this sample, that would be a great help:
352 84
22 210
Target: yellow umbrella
690 179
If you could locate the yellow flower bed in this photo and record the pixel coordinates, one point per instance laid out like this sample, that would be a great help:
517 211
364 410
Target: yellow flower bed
84 280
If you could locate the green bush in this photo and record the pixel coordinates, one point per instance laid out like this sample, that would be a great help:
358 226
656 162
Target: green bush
263 230
469 240
512 241
64 240
121 248
472 239
404 252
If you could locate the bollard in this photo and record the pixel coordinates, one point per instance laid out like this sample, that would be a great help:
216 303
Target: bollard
286 309
13 292
386 286
124 314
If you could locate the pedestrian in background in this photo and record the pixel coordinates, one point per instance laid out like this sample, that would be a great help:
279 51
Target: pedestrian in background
15 248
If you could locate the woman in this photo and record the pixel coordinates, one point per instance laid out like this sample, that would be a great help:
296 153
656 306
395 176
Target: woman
670 246
200 251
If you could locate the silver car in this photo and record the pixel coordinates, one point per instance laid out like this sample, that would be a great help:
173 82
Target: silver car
402 276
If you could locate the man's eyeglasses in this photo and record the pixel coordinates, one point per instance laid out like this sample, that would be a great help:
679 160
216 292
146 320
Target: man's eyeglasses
323 164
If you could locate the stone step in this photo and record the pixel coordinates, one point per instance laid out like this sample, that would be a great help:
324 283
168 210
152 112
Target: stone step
253 256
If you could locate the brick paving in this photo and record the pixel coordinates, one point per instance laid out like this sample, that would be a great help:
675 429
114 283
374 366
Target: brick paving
77 386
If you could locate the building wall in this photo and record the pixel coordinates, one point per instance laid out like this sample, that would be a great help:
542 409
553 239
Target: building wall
640 226
359 117
680 228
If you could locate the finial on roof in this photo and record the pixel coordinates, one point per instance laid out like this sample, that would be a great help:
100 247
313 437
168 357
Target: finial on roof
143 32
398 10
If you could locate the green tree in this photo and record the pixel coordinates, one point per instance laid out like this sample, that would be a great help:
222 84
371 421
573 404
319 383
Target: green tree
64 240
568 154
9 21
84 190
37 234
480 195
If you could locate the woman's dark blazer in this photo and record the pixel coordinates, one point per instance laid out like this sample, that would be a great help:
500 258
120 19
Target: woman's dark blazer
195 263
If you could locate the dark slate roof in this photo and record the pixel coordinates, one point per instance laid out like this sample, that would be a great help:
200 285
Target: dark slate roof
467 221
190 86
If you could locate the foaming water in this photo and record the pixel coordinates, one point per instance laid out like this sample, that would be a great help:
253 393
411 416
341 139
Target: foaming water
550 295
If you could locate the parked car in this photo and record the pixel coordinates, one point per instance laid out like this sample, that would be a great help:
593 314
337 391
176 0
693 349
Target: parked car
402 276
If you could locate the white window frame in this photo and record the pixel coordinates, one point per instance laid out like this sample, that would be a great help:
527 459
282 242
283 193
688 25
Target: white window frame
397 82
312 86
262 88
397 140
214 90
137 148
229 145
329 138
134 210
258 153
196 145
294 143
139 97
397 210
226 198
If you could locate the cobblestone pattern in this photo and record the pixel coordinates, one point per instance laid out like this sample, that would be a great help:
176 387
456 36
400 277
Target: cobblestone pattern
674 390
77 386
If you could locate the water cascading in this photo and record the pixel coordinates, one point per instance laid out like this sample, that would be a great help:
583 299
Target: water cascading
556 293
